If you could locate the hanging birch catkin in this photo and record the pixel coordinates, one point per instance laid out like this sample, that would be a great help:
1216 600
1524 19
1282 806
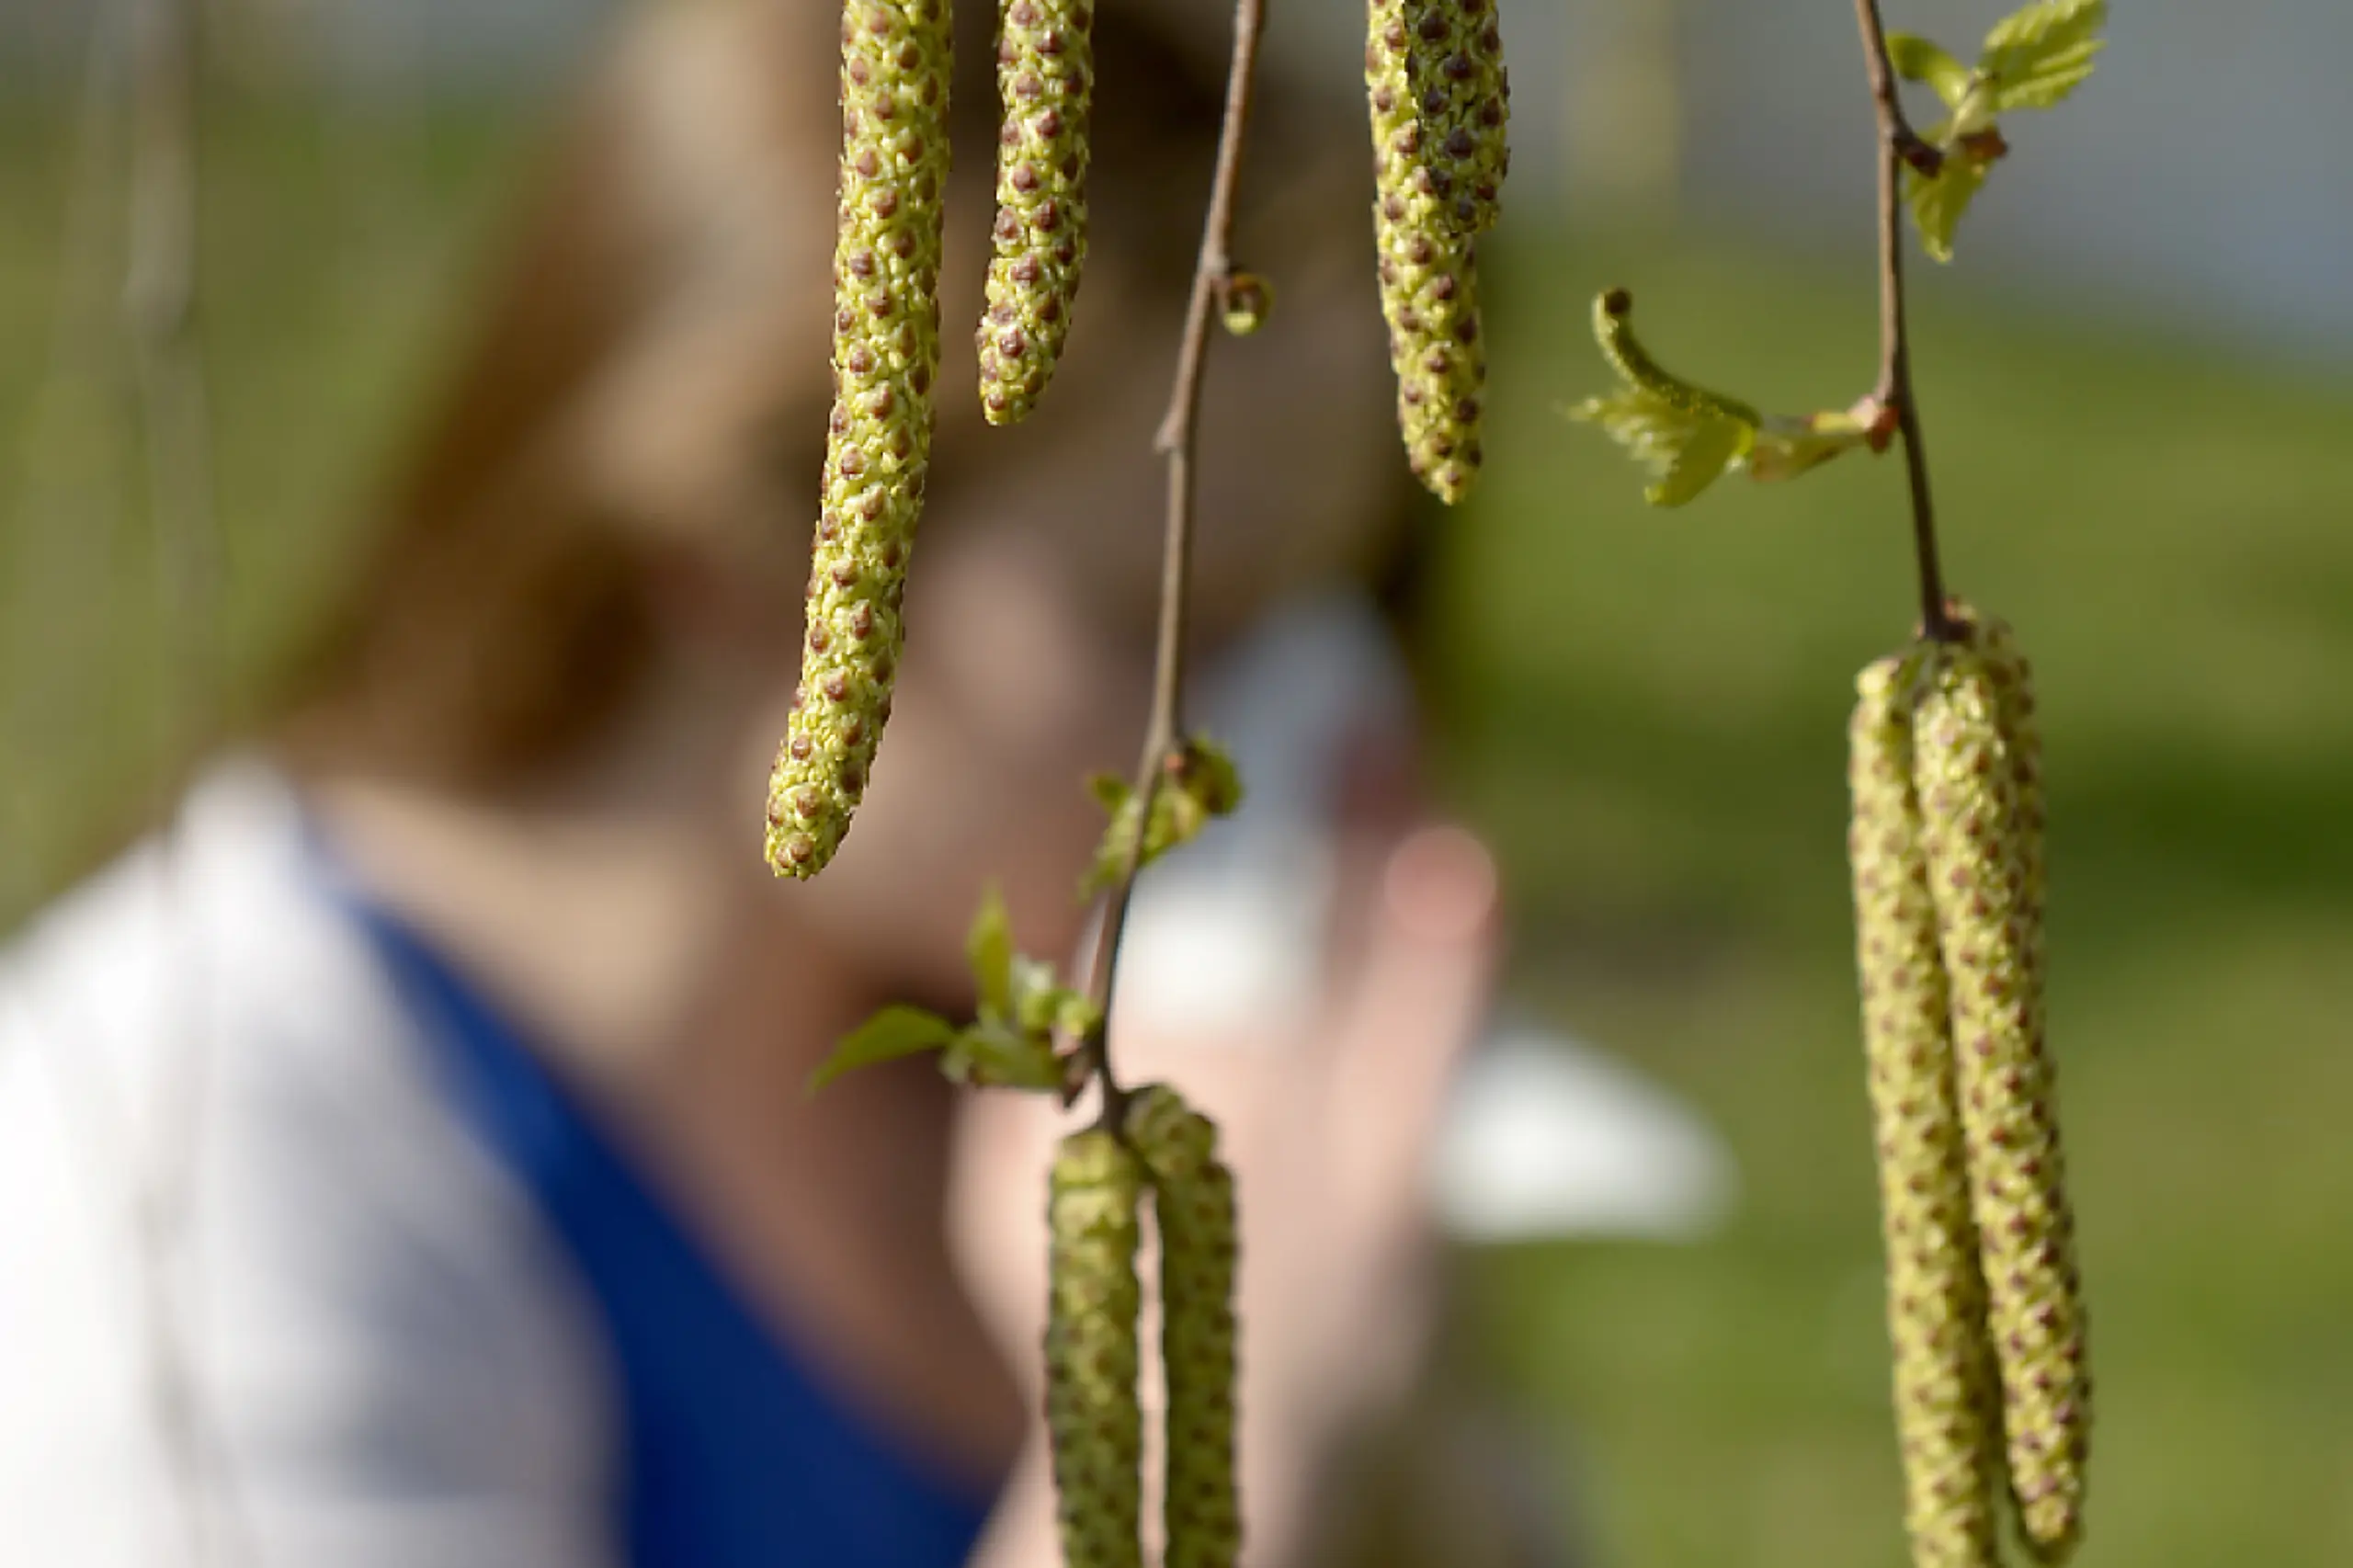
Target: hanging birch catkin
1967 771
1452 108
1093 1416
1428 268
895 78
2013 678
1045 81
1193 1209
1947 1407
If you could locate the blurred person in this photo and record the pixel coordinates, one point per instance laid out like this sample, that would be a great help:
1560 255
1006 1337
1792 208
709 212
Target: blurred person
405 1157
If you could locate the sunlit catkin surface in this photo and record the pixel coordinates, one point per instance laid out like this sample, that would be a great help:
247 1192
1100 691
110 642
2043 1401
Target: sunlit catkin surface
895 70
1947 1407
1093 1416
1193 1207
1045 80
1967 772
1429 282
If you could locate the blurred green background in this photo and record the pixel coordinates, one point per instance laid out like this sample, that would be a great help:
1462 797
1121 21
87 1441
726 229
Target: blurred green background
1648 712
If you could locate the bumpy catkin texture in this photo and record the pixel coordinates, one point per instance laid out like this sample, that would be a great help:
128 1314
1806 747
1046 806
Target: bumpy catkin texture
1443 107
1966 771
1193 1207
1045 78
2021 725
1092 1411
1947 1410
1430 284
895 80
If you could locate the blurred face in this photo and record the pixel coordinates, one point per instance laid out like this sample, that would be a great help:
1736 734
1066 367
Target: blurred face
1032 589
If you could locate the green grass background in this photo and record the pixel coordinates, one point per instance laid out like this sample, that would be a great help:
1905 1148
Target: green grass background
1648 713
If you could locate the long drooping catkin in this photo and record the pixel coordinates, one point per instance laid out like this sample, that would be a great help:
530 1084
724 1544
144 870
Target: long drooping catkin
1045 78
895 70
1193 1207
1429 282
1967 772
2021 725
1093 1415
1449 107
1946 1409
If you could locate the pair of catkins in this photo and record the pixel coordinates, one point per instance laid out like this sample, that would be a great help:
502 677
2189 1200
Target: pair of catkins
896 62
1094 1415
1985 1304
1435 75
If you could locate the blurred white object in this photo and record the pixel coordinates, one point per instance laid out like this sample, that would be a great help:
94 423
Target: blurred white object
1546 1138
264 1298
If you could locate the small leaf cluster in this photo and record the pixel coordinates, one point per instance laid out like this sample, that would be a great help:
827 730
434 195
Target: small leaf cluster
2032 60
1690 437
1199 783
1009 1045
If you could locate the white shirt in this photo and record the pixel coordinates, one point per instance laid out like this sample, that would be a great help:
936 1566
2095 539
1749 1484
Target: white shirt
263 1299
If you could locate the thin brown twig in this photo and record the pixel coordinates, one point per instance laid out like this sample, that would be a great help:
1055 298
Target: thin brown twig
1899 145
1175 443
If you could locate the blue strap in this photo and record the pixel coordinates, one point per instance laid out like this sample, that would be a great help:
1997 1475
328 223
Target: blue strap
736 1456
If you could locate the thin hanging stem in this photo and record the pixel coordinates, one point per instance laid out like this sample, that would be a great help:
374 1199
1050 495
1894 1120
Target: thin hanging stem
1175 443
1899 145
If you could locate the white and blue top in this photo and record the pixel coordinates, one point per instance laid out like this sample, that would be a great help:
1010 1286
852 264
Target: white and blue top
306 1258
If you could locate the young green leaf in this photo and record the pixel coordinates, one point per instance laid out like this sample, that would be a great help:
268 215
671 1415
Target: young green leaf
1690 437
1075 1016
1685 435
1204 784
1938 201
1035 995
1786 448
993 1054
2035 58
1655 432
893 1032
1716 444
988 948
1917 60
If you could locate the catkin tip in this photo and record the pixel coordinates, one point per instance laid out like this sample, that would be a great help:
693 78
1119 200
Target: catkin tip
1045 84
1946 1397
1193 1207
895 164
1094 1416
1982 837
1427 262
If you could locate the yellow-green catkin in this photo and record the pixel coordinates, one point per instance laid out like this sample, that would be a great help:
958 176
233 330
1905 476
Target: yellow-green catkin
895 69
1045 74
1448 109
1430 278
1093 1415
2021 725
1967 772
1946 1409
1193 1209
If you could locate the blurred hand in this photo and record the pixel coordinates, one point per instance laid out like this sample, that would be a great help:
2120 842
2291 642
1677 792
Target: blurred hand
1327 1121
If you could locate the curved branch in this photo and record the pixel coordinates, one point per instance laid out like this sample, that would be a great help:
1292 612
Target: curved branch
1096 972
1899 145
